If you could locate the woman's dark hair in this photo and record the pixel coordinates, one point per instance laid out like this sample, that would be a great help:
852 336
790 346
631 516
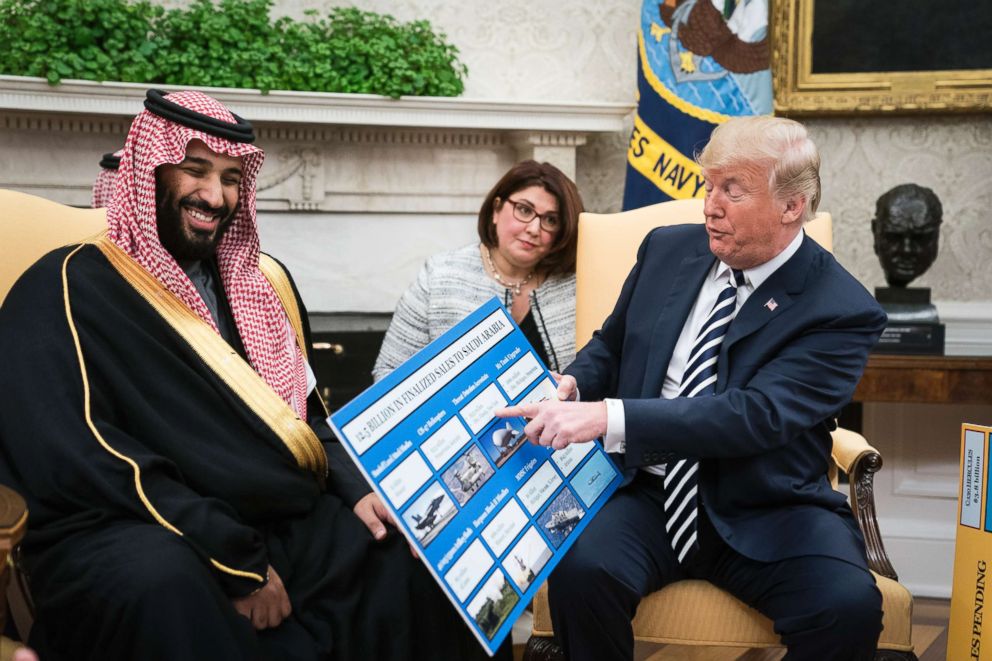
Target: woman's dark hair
560 259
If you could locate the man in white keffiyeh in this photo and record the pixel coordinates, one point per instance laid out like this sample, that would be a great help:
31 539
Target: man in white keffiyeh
187 498
103 187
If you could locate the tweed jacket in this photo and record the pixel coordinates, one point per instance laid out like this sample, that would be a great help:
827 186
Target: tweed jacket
454 283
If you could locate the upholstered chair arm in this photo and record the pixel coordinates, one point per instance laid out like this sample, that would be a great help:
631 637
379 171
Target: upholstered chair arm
13 523
854 456
13 519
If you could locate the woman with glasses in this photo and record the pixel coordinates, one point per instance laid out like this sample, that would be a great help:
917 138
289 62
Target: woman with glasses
526 256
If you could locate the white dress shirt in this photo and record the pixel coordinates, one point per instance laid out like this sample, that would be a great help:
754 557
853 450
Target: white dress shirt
716 280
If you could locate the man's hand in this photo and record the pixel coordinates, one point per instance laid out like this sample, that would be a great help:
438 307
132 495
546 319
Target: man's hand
374 515
24 654
558 424
268 607
568 389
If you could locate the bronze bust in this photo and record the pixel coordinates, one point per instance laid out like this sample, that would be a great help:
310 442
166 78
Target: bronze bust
906 228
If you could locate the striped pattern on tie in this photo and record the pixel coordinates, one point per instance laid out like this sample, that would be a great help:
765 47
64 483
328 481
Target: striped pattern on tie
699 379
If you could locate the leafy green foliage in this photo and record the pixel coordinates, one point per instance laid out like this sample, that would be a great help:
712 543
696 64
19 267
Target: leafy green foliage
233 43
357 51
90 39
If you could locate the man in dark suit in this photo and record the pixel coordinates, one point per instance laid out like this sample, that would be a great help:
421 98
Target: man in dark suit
715 382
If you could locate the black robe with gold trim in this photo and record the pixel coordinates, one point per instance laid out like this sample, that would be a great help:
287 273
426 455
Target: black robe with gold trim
156 494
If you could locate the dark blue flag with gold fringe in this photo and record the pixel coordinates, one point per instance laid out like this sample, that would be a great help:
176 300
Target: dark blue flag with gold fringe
700 62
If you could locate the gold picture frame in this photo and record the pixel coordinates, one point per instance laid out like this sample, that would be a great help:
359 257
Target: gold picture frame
799 90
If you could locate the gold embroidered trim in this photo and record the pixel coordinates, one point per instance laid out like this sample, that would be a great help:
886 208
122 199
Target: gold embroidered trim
99 437
277 277
218 355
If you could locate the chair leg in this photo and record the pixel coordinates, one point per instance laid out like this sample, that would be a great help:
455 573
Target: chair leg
542 648
891 655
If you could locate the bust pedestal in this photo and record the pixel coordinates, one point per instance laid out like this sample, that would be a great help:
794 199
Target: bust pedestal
914 327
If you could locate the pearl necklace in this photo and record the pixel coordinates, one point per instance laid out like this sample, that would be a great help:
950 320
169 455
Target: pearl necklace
512 286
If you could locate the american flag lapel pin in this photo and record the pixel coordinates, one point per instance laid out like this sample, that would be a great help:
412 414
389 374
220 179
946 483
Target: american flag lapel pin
771 305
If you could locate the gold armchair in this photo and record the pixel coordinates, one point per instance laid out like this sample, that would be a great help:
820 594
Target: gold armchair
695 612
31 227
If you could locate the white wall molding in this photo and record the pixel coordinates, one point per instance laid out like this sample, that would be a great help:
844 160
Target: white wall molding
30 121
19 93
925 487
969 327
910 528
381 136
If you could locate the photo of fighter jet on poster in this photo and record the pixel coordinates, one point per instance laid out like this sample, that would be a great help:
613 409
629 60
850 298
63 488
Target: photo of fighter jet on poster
429 513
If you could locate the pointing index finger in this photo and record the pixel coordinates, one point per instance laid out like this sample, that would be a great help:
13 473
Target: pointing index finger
517 411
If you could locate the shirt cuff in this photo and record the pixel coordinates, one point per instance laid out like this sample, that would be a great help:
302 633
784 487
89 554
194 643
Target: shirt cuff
616 427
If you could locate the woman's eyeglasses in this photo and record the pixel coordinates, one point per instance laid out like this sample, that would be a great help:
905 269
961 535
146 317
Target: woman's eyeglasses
525 213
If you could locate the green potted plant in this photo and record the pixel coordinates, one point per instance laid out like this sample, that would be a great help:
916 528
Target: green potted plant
230 43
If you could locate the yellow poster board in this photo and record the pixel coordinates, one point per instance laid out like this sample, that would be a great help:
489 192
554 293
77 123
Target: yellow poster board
969 634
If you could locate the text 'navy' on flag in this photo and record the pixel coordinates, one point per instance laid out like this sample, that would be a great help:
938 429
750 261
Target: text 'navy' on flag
699 63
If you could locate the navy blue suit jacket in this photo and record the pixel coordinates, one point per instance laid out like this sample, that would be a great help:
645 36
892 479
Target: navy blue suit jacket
763 439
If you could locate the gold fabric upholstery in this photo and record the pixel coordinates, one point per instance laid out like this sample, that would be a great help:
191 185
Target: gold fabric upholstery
695 612
674 615
29 227
33 226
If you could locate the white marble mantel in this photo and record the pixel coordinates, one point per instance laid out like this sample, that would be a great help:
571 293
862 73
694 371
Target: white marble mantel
356 191
319 108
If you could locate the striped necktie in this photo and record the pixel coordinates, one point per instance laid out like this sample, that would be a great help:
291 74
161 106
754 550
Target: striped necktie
699 379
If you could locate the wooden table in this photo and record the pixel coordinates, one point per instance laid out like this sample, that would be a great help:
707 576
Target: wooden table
926 379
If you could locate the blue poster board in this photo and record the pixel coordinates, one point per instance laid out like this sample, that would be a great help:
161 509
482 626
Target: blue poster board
489 513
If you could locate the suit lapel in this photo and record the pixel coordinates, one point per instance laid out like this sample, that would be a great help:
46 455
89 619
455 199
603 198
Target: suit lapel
683 293
775 295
